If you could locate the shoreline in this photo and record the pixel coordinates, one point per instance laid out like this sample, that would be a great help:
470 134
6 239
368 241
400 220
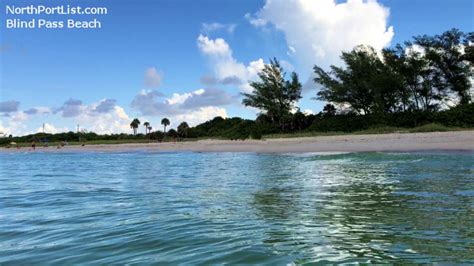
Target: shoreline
393 142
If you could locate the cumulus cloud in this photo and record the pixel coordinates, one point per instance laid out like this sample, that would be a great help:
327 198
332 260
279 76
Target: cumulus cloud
193 107
38 110
51 129
114 121
308 112
70 108
227 70
200 115
415 50
317 31
216 48
75 108
209 80
9 106
152 78
210 96
153 103
257 22
14 123
102 117
215 26
105 106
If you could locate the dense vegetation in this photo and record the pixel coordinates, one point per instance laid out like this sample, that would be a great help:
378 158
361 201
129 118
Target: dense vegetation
429 74
423 82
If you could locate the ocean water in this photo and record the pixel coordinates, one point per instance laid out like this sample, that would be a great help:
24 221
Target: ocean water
236 208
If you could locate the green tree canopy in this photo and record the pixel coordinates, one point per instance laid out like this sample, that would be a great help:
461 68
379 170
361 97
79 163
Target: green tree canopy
366 84
273 94
450 56
134 125
165 122
183 129
146 125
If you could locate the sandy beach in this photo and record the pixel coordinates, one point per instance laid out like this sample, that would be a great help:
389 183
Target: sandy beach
448 141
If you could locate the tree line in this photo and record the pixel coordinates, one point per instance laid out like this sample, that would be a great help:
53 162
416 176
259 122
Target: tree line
425 80
428 74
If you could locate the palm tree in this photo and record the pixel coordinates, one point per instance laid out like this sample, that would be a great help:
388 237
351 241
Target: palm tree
165 122
149 131
183 129
146 125
134 125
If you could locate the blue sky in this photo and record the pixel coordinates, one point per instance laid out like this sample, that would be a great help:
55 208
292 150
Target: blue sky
187 60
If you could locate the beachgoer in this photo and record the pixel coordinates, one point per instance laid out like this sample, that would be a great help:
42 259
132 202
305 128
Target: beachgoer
33 145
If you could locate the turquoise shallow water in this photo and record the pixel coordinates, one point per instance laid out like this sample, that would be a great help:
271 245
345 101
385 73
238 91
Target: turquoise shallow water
208 208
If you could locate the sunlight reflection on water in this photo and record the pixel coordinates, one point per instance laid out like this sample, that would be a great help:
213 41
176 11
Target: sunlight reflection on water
236 208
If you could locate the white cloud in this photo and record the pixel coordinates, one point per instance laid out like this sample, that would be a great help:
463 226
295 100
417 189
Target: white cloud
415 50
102 117
40 110
9 106
199 116
71 108
115 120
20 117
317 31
287 66
257 22
14 124
217 47
51 129
179 98
227 69
152 78
193 107
152 103
308 112
210 27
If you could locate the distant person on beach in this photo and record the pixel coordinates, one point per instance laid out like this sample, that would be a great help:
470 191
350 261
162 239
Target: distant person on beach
33 145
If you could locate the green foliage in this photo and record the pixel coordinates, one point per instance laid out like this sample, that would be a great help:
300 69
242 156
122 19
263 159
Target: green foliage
183 130
422 75
432 127
157 135
172 133
461 116
134 125
229 128
256 132
274 95
146 125
329 110
366 84
450 67
403 88
165 122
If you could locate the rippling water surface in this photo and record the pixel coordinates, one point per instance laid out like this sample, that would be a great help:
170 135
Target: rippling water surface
236 208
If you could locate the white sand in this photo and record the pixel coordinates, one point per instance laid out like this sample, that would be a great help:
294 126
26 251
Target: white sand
449 141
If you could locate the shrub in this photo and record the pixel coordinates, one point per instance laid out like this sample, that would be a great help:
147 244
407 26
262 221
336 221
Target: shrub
433 127
256 132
